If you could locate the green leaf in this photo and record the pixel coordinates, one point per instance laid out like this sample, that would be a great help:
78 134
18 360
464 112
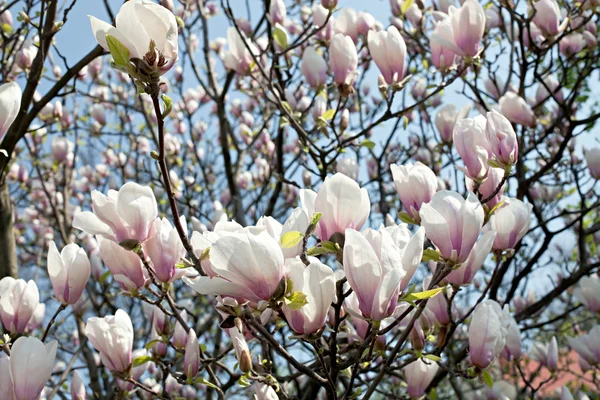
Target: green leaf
291 239
296 300
487 379
428 294
369 144
205 382
118 51
430 255
104 276
406 218
432 357
328 115
316 217
405 121
151 343
280 36
406 5
168 105
141 360
243 381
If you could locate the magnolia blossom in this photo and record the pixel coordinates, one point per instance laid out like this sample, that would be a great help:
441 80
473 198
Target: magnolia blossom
374 267
314 67
317 282
553 90
10 104
546 353
472 145
389 53
415 184
165 250
516 109
242 352
112 336
446 118
346 23
546 16
464 274
249 265
348 167
343 59
77 387
264 392
191 358
587 345
452 223
592 157
510 222
127 217
463 30
239 58
125 266
418 375
588 293
502 139
441 57
69 272
512 349
341 201
18 302
146 29
277 12
489 185
31 365
487 333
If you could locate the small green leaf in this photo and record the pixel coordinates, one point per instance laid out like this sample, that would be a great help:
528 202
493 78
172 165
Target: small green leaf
405 121
243 381
328 115
168 105
205 382
280 36
432 357
430 255
151 343
118 51
291 239
141 360
428 294
406 5
406 218
369 144
488 379
104 276
316 217
296 300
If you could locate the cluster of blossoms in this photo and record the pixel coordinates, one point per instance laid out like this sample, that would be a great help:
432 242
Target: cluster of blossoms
350 285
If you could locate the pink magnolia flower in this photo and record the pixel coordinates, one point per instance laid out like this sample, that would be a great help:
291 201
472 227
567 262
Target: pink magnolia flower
452 223
140 23
314 68
463 30
126 217
112 336
472 145
341 201
317 282
69 272
418 376
18 302
464 274
516 109
343 59
10 103
502 139
389 53
125 266
249 265
31 365
510 222
415 184
588 293
487 333
374 266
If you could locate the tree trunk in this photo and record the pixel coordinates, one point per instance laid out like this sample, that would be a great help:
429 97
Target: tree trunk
8 251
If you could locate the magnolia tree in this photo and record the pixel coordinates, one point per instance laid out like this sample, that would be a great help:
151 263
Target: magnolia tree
296 200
